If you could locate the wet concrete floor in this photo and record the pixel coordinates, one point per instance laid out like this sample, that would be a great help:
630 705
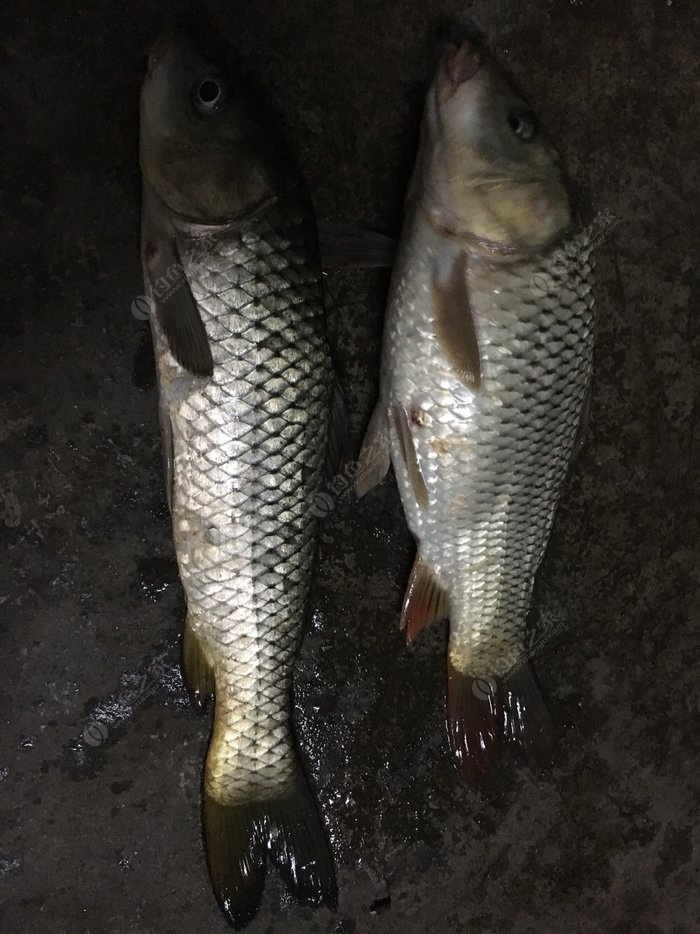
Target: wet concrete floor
100 830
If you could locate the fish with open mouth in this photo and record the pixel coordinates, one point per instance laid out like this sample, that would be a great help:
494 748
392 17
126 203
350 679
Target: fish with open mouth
231 267
486 365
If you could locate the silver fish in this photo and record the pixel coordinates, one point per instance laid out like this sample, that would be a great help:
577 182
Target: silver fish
486 367
244 374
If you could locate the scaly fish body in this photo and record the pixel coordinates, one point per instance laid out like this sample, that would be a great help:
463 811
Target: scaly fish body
249 445
244 376
486 365
492 460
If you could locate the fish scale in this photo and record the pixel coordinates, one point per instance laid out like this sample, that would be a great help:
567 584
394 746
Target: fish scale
249 446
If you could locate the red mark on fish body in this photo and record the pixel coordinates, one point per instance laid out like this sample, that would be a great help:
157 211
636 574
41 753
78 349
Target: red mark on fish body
416 417
151 253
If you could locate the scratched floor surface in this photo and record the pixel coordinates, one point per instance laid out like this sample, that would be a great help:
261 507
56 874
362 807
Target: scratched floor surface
100 756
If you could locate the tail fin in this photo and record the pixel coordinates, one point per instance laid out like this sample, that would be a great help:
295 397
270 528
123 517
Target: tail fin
527 722
473 723
288 827
236 840
481 711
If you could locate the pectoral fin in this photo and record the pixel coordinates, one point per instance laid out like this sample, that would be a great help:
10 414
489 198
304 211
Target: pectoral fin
408 450
174 303
374 459
166 435
454 323
337 433
346 247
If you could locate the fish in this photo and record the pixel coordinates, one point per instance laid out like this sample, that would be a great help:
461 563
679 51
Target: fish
246 389
486 368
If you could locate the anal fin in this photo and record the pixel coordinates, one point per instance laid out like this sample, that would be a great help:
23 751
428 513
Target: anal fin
374 459
425 601
197 673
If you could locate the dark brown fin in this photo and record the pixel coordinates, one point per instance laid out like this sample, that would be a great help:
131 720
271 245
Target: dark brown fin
373 462
197 673
582 428
337 433
166 436
235 838
346 247
454 324
238 837
481 710
299 848
174 304
408 449
526 720
473 723
425 601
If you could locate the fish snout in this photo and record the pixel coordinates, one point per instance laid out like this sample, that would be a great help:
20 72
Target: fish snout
462 62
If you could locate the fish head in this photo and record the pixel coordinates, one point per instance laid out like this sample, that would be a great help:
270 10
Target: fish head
206 150
492 174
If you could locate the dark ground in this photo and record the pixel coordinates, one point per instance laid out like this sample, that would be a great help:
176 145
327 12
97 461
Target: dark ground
103 835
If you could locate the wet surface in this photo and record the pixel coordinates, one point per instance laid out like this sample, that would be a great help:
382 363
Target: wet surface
100 755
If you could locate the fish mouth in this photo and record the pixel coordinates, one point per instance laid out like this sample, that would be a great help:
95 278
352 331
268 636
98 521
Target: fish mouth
462 62
168 42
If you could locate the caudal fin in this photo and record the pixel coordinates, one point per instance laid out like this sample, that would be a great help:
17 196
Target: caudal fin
527 721
239 837
484 711
235 837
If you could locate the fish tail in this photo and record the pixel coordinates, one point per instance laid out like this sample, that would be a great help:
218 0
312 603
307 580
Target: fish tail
483 711
298 846
235 840
527 721
239 836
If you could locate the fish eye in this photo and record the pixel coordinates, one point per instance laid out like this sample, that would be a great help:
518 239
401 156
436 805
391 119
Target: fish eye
209 94
523 124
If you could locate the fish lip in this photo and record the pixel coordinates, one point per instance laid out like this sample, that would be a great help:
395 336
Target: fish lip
462 62
168 41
